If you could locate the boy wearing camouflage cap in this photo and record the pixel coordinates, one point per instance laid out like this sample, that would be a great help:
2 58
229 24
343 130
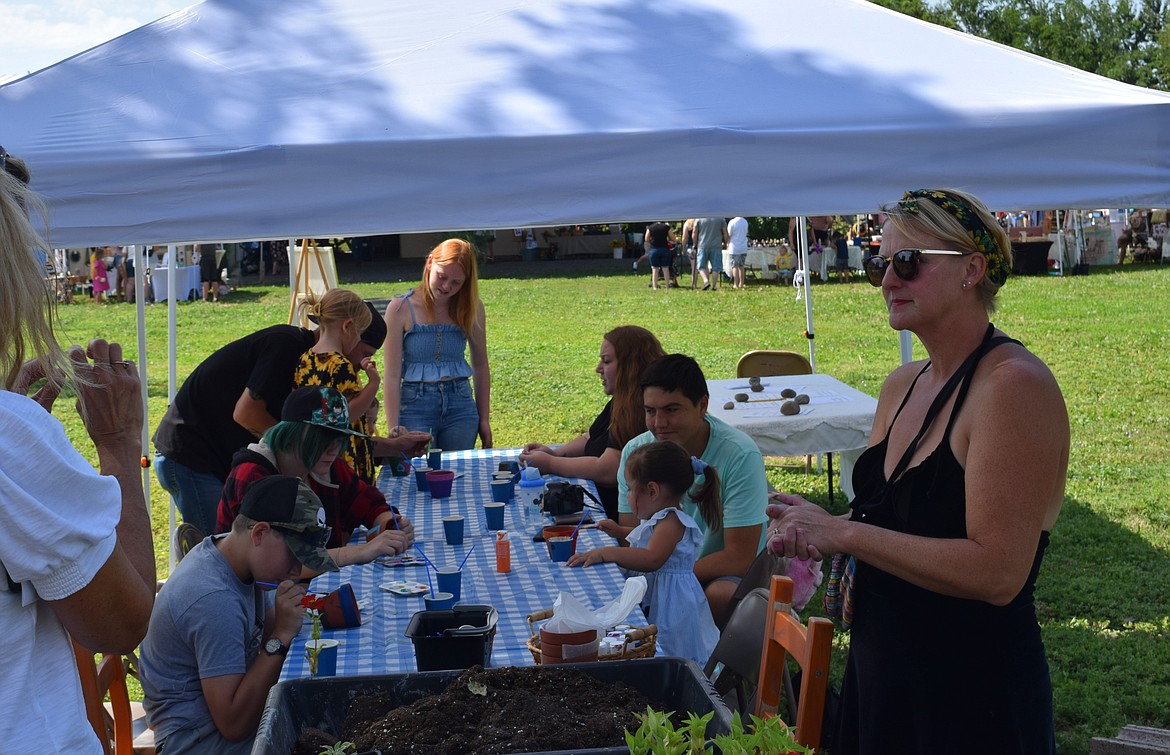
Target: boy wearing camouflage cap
216 645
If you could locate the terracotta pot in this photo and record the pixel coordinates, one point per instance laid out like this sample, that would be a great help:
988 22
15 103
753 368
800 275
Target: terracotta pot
555 652
567 638
340 609
552 646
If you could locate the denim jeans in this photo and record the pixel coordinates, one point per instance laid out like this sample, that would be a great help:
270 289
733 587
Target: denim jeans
446 409
196 494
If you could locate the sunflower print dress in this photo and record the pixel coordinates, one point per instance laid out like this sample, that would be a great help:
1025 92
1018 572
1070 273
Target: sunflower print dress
334 370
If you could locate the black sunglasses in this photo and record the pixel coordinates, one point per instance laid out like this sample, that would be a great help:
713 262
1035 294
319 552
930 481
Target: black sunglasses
905 263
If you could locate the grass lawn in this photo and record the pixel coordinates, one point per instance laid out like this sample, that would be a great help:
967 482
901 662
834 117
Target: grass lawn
1102 594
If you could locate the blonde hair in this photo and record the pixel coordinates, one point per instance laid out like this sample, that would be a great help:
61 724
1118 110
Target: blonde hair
338 305
27 306
927 218
463 306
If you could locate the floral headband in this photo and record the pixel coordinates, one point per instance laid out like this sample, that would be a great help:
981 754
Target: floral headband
997 261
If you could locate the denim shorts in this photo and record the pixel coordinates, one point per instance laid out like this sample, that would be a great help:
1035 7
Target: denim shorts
713 257
659 258
446 409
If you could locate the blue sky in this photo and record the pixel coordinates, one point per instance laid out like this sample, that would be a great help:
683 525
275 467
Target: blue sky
42 32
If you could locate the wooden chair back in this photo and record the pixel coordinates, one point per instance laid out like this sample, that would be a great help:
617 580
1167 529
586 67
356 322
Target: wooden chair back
810 646
764 362
114 727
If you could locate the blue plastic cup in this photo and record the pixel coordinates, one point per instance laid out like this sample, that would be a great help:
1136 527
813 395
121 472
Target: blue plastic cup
494 513
435 458
449 579
501 491
453 529
326 657
439 601
560 548
420 479
506 477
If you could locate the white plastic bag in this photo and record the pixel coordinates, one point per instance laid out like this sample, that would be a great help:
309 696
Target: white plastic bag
569 615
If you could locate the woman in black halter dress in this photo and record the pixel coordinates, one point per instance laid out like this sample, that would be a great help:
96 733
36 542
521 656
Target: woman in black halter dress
955 498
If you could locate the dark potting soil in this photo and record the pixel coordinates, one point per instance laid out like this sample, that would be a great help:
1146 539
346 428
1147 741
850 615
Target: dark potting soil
521 709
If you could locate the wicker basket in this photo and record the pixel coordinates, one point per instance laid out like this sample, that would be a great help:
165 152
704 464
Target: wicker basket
646 635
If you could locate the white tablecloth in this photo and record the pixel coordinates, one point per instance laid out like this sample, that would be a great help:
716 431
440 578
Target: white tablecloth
759 259
837 418
826 262
186 277
380 646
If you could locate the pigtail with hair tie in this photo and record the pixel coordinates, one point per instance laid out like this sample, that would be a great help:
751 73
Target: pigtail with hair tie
698 465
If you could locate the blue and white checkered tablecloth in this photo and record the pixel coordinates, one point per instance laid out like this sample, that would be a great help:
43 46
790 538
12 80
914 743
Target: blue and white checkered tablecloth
380 645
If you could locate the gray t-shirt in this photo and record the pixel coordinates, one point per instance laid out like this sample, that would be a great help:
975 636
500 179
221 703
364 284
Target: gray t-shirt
205 623
709 233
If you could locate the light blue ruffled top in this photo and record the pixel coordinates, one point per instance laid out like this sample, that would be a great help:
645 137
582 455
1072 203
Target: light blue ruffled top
433 351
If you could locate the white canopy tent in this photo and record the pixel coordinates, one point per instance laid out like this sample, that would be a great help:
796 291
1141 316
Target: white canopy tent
256 119
248 119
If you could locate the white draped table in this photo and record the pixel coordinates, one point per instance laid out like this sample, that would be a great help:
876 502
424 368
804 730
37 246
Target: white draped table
186 282
837 418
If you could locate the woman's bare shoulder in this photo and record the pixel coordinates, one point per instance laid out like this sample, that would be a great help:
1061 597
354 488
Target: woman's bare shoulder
398 304
1015 388
1014 366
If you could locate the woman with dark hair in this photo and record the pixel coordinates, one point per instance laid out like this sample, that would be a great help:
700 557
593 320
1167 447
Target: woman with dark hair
957 493
428 381
625 352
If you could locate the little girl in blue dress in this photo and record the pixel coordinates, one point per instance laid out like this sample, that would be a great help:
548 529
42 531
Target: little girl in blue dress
665 546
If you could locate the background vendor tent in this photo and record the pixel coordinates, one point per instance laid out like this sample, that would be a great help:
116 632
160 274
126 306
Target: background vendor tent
247 119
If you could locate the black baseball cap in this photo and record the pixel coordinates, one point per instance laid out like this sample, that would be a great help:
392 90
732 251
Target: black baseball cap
319 405
375 334
289 505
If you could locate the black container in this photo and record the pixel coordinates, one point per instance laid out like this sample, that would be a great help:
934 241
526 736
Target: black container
675 684
453 638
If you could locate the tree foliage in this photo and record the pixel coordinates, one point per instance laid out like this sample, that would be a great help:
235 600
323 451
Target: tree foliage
767 228
1126 40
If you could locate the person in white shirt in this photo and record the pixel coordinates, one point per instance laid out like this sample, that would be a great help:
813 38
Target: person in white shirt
737 230
75 545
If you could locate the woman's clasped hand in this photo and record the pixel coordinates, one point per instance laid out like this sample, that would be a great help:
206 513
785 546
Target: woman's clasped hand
800 529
